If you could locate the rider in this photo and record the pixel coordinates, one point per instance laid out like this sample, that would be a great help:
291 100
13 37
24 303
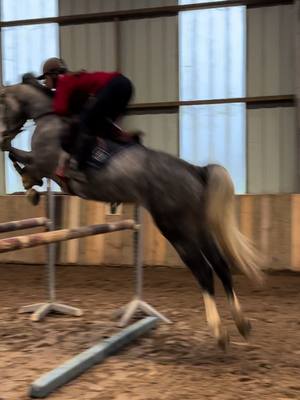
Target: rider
112 92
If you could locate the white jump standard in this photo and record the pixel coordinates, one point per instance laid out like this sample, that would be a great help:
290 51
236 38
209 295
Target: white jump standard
137 303
40 310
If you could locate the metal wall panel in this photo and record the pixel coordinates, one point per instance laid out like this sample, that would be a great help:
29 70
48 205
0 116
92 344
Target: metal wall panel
89 46
72 7
149 57
161 130
270 51
297 68
272 150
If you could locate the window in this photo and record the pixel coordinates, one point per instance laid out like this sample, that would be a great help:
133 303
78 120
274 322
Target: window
212 66
18 53
181 2
19 56
13 10
215 134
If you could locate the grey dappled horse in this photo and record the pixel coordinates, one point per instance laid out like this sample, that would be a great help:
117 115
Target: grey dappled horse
192 206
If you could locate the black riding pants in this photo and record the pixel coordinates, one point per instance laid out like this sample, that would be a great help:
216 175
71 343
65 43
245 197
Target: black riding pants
110 103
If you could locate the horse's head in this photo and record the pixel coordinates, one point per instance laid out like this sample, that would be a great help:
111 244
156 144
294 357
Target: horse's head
18 103
12 116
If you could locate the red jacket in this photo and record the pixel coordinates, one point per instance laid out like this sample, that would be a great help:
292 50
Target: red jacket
85 82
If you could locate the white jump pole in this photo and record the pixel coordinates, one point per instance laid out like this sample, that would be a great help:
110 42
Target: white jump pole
40 310
137 303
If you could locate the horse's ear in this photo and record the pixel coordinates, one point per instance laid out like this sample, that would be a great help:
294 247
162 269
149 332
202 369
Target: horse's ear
28 78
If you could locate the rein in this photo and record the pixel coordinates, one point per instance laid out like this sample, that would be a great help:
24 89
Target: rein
42 115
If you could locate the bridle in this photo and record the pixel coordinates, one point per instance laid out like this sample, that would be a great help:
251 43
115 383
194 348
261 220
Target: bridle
12 129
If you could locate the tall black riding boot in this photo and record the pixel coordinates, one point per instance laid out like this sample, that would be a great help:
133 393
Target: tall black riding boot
84 150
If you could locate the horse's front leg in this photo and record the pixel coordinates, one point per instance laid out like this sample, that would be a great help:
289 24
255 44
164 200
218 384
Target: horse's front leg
27 173
21 156
30 173
32 195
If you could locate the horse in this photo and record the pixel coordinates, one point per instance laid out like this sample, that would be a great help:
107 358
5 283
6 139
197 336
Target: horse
192 206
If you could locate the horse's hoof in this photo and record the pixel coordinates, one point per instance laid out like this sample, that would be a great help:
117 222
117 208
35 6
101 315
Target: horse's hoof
244 327
33 196
223 340
11 157
6 144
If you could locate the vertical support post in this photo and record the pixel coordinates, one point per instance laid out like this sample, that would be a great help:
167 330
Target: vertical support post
137 303
51 246
138 250
40 310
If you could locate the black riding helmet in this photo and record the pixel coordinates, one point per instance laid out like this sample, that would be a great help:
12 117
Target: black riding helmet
53 66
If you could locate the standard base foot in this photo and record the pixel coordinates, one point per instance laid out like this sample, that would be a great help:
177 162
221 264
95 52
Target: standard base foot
127 312
40 310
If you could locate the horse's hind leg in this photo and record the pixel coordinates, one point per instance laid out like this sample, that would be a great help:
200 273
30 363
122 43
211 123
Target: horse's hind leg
203 272
241 322
222 270
185 240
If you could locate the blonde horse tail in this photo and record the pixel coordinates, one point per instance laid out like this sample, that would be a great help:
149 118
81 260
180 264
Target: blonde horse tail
223 227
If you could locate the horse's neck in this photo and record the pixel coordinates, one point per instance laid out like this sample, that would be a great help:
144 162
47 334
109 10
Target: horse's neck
37 105
35 102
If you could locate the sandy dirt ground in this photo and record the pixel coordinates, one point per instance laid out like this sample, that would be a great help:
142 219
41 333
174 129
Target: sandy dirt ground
173 362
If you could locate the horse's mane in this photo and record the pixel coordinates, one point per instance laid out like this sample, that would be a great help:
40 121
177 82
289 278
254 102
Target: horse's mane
30 79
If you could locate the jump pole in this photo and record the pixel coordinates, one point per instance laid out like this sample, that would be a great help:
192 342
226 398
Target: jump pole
77 365
38 239
12 226
137 303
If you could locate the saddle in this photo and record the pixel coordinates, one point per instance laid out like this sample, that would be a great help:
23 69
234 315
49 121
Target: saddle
102 152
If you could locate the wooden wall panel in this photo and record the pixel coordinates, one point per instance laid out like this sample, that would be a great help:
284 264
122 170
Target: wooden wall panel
15 208
272 222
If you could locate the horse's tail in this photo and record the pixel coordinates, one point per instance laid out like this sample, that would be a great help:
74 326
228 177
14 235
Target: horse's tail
222 223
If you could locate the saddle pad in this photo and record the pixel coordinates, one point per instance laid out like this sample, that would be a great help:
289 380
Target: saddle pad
104 150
